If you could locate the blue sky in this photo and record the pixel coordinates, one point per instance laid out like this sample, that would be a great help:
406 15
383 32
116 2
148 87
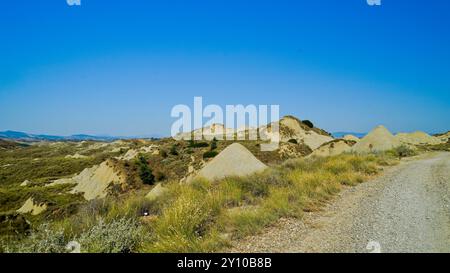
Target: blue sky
118 67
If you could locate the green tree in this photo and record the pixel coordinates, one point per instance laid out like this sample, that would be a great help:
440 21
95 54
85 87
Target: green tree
145 173
191 143
308 123
173 150
214 144
209 154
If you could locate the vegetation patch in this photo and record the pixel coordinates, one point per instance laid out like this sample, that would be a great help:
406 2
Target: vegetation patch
197 217
194 144
210 154
145 173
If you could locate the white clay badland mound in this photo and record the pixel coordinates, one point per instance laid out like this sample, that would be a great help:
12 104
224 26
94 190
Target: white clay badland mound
215 130
332 148
418 138
31 207
133 153
308 137
76 156
129 155
379 139
291 128
235 160
25 183
94 182
294 130
444 137
352 138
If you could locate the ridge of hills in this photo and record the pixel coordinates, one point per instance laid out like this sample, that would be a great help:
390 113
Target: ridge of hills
26 137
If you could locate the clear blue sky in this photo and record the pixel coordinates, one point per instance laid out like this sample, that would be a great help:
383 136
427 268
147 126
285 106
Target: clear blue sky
117 67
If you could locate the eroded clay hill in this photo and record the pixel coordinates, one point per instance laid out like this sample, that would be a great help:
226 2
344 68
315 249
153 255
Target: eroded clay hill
379 139
94 182
235 160
418 138
334 147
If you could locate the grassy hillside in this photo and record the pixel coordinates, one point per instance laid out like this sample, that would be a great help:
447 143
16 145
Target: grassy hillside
202 216
41 163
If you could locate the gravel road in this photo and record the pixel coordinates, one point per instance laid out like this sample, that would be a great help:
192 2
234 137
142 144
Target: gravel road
407 209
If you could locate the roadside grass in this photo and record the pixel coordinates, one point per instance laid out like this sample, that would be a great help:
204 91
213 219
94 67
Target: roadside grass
206 216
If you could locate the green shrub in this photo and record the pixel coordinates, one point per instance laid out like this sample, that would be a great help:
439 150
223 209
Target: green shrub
193 144
210 154
404 151
173 150
145 173
214 144
122 235
308 123
42 240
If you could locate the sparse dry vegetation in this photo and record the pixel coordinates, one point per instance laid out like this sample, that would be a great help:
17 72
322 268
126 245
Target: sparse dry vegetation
439 147
197 217
202 217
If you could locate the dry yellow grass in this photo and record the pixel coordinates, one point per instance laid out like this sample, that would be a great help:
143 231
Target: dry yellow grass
202 217
205 216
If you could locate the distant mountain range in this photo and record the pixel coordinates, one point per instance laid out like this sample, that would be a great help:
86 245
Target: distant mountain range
21 136
342 134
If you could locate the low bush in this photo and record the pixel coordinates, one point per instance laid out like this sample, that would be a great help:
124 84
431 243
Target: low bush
121 235
210 154
145 173
308 123
214 144
193 144
173 150
43 240
404 151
